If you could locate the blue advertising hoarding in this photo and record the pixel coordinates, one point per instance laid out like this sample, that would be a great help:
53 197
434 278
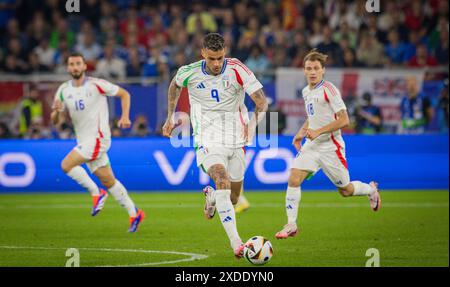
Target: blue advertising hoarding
152 164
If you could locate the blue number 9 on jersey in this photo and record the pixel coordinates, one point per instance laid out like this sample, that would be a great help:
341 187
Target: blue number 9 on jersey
215 95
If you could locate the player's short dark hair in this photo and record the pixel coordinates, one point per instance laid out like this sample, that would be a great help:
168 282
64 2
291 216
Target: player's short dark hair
75 54
315 55
213 42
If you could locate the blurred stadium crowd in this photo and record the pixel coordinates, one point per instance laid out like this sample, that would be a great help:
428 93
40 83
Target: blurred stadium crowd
122 39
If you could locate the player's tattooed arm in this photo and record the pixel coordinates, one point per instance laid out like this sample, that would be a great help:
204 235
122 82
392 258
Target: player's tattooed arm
259 98
260 104
172 98
173 95
341 121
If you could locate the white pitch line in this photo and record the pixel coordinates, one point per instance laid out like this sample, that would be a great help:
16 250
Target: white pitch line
265 205
193 256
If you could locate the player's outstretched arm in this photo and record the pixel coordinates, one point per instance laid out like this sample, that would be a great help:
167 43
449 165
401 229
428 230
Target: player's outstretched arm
341 121
172 99
125 100
297 141
57 112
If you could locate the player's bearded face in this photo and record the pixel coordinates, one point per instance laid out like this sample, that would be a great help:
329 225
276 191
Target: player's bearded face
314 72
76 67
214 60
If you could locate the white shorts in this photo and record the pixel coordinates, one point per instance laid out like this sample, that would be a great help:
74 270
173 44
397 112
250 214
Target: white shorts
96 152
333 164
233 159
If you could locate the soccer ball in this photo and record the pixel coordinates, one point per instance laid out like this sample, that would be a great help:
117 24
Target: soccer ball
258 250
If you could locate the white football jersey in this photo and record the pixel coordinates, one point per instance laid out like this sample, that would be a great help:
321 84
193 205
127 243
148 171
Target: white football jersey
88 107
218 112
321 104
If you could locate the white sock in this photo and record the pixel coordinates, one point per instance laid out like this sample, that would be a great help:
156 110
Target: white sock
293 196
119 192
227 216
82 178
362 188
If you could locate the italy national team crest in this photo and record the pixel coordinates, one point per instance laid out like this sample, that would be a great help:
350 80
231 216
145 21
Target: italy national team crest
226 82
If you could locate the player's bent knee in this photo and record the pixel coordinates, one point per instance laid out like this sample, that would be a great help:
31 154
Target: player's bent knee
294 181
65 167
108 182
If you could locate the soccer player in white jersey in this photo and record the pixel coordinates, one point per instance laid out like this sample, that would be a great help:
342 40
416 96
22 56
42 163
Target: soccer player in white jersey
84 98
324 147
217 87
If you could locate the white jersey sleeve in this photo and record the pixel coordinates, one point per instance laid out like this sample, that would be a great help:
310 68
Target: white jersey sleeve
246 77
105 88
185 72
334 97
59 95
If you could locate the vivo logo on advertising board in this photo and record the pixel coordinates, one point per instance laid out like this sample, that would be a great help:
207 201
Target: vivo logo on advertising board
175 175
22 180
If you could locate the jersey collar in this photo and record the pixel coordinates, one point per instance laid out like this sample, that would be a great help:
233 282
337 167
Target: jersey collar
82 84
319 84
221 72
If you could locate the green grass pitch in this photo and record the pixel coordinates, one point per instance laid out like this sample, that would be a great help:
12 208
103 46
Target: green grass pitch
411 229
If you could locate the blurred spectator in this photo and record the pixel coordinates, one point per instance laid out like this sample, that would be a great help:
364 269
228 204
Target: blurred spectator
63 49
441 51
388 14
258 63
133 22
134 65
32 112
4 131
395 50
370 52
7 9
46 54
13 31
111 66
316 36
344 32
35 67
443 106
140 127
200 19
14 65
414 16
62 31
90 49
415 108
367 116
155 65
411 46
422 58
349 59
329 47
371 28
16 49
